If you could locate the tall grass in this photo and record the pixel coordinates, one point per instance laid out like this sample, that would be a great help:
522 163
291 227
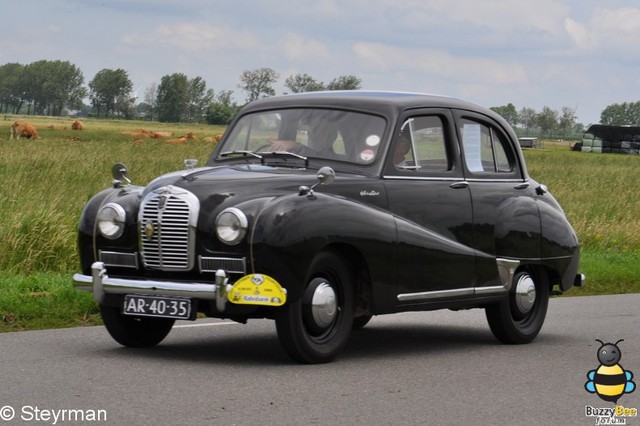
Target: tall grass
46 182
597 191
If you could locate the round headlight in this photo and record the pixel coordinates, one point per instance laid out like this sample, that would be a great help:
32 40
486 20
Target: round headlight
231 226
111 218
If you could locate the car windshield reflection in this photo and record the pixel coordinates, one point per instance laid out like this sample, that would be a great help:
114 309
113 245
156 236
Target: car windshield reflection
316 133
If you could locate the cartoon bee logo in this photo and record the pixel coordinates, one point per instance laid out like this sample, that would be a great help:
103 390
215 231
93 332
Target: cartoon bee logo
609 381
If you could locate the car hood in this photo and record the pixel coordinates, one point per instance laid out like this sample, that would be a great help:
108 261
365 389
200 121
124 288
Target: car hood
236 180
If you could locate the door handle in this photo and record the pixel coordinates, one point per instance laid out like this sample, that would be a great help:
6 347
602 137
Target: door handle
459 185
523 185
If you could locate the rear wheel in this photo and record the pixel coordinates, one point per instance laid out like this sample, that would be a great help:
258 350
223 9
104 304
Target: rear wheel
316 327
519 318
135 332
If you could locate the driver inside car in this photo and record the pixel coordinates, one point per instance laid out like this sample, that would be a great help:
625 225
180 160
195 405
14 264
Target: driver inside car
320 142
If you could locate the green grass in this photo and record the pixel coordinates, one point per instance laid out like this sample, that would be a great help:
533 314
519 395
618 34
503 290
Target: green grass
46 182
43 300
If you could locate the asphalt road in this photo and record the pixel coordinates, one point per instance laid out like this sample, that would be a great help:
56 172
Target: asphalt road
431 368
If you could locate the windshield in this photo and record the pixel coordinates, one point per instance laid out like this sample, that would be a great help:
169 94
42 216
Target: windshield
314 133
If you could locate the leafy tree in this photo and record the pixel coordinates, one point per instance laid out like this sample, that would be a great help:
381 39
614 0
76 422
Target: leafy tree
222 109
508 112
198 98
173 97
345 82
567 120
303 83
150 101
621 114
110 92
547 120
528 117
258 83
50 86
10 87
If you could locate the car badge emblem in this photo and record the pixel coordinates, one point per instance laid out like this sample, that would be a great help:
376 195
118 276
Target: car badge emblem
148 230
162 201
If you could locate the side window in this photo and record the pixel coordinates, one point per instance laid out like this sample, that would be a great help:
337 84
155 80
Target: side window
486 150
421 147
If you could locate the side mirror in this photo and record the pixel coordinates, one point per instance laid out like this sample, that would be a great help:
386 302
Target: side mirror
119 173
326 175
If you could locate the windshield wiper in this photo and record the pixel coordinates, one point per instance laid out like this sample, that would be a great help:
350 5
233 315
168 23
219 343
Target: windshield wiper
266 153
243 153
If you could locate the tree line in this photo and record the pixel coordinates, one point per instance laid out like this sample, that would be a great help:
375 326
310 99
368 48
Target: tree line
548 122
57 87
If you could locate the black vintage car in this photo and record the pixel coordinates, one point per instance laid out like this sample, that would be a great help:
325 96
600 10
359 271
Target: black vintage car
321 210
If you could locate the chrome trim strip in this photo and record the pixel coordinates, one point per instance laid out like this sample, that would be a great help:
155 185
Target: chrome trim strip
506 271
431 178
495 180
100 284
482 291
430 295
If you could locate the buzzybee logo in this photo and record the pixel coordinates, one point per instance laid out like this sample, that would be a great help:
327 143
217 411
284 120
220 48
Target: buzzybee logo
610 381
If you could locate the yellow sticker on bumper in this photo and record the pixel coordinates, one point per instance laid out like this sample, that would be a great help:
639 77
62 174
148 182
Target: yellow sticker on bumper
257 289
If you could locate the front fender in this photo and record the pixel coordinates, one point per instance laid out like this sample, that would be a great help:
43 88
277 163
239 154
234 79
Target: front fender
291 230
129 198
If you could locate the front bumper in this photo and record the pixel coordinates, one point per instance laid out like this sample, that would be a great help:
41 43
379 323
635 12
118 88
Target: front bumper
100 284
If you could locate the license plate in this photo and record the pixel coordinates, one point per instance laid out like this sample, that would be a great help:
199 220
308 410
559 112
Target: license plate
154 306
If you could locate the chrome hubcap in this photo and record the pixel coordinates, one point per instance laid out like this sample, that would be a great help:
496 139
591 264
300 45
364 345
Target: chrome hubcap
324 306
525 294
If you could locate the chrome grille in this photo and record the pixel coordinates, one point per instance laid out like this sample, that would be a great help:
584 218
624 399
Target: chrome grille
167 229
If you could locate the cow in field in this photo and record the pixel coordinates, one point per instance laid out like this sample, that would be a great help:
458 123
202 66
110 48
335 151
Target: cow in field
21 129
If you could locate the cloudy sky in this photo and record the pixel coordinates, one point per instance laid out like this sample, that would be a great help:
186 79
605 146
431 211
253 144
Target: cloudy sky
582 54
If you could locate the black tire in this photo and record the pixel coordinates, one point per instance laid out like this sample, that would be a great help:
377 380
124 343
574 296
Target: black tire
512 323
135 332
314 336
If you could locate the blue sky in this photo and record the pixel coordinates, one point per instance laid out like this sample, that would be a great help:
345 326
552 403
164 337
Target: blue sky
583 54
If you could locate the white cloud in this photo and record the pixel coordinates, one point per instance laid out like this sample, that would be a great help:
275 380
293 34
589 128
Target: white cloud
439 63
194 37
579 33
297 47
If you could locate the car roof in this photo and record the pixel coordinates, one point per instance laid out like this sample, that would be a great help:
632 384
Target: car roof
381 101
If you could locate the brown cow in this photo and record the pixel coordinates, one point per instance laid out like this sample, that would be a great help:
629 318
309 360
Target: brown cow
56 127
21 129
77 125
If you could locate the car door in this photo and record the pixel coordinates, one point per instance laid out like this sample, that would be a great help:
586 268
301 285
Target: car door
427 192
506 218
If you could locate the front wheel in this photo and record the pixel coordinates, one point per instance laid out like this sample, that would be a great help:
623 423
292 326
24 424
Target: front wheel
519 318
135 332
316 327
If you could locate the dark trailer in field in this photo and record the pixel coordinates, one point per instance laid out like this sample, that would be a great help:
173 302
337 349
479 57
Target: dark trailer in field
606 138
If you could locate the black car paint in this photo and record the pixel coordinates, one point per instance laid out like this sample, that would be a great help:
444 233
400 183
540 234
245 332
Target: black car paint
406 234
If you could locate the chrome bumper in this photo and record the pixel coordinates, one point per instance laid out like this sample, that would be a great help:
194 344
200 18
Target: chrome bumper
100 284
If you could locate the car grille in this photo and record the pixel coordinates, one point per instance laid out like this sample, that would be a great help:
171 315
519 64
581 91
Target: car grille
167 229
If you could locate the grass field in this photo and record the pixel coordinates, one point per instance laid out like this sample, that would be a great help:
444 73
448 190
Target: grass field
46 182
